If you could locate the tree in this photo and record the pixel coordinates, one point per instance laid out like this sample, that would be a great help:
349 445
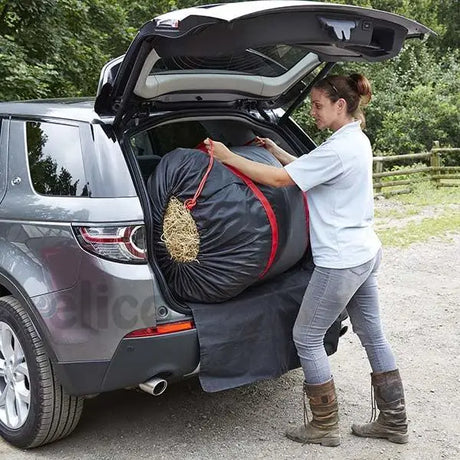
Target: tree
54 48
449 16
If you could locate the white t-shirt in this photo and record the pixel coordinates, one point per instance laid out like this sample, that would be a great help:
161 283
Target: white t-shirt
338 178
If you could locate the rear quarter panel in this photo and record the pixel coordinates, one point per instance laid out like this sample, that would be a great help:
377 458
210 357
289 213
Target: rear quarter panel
37 245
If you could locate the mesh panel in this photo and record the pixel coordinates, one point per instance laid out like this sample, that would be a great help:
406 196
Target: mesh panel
269 61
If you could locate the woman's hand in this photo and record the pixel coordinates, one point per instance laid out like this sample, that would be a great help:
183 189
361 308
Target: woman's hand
281 155
220 151
267 143
258 172
272 147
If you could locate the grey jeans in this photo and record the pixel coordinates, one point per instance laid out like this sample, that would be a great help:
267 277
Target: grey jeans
331 290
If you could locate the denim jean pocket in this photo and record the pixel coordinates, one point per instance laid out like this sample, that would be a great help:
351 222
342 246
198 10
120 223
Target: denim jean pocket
360 269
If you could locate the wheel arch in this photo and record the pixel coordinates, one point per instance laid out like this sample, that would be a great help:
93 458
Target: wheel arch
9 286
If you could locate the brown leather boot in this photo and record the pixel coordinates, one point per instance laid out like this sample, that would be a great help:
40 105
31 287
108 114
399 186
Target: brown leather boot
324 428
391 423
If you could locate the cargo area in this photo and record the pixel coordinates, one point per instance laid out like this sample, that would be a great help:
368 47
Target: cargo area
151 144
247 337
257 232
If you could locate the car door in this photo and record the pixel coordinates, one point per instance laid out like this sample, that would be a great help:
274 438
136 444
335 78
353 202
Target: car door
246 50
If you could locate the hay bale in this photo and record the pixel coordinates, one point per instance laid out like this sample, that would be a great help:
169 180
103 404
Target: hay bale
180 233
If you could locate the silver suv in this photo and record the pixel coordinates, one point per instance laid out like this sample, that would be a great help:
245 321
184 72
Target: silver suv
84 307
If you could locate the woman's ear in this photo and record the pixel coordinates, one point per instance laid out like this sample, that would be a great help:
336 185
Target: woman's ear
342 104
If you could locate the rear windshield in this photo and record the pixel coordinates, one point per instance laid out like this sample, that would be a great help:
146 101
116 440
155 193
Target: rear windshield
267 61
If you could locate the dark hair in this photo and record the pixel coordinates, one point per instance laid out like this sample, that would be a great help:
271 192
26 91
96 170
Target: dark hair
355 89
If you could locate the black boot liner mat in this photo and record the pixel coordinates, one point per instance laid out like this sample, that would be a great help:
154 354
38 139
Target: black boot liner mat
250 338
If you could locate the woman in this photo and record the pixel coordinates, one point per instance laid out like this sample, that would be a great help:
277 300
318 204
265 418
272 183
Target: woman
346 253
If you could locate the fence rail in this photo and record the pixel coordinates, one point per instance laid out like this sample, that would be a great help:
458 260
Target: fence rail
441 176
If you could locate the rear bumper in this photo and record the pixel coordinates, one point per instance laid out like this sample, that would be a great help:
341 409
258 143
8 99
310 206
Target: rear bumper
135 361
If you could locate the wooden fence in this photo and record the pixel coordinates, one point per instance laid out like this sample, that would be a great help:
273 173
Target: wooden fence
441 176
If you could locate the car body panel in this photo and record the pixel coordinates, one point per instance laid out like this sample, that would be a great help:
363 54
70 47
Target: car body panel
40 258
134 361
231 12
4 128
75 109
87 321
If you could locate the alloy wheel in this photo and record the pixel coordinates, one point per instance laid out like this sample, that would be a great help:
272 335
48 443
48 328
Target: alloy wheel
14 380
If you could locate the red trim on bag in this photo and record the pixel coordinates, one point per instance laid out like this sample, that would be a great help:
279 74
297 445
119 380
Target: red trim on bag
307 212
266 205
270 214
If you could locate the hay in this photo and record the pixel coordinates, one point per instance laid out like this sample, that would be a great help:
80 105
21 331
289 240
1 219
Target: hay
180 233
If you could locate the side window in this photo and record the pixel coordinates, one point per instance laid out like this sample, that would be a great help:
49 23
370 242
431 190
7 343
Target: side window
182 134
141 144
55 159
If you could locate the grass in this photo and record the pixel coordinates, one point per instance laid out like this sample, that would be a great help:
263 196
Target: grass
416 232
425 194
396 213
442 205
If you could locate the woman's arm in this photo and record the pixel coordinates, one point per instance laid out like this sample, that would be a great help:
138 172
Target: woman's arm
258 172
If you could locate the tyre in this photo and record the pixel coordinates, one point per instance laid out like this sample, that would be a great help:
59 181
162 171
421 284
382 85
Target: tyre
34 408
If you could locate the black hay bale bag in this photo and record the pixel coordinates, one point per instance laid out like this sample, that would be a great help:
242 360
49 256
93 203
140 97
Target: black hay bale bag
247 232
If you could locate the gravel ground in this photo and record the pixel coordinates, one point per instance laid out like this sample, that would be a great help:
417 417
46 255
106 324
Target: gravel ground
420 296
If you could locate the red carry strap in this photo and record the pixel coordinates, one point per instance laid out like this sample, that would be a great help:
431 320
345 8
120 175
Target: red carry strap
191 202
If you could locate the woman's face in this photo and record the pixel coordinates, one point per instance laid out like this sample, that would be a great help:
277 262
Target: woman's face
323 110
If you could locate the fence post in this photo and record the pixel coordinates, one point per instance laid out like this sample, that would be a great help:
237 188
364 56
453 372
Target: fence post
378 169
435 162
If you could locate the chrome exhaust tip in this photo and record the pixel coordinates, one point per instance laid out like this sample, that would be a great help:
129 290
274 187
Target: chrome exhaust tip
155 386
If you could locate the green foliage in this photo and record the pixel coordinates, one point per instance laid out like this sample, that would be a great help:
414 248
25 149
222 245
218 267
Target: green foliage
416 101
54 48
413 177
449 17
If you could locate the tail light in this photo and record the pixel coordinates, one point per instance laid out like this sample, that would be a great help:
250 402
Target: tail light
161 329
121 244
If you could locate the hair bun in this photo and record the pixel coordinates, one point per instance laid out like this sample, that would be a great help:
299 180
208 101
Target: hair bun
363 87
